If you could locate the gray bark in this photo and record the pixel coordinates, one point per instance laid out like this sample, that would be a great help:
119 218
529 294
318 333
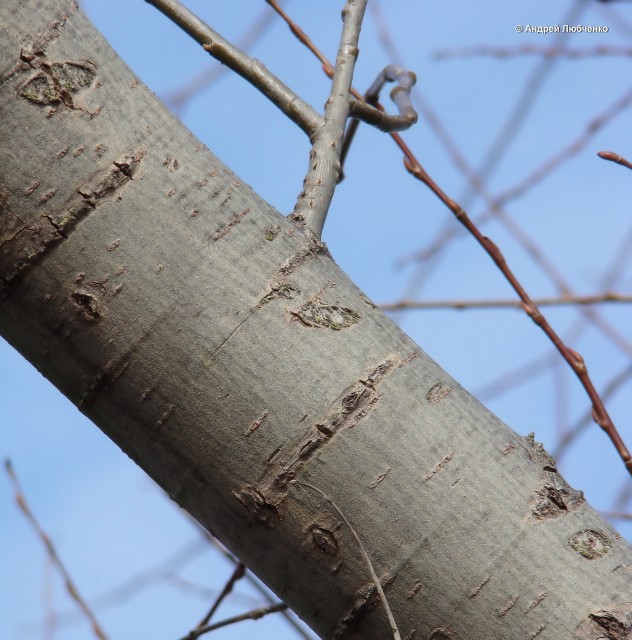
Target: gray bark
204 334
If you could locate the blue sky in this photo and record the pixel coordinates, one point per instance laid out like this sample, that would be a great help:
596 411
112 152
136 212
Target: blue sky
109 520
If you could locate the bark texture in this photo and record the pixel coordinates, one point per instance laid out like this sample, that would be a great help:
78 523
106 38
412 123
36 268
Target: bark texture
203 333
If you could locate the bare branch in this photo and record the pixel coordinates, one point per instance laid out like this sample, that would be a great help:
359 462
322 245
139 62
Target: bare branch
237 574
255 614
52 552
414 167
365 556
531 50
248 68
178 98
320 182
250 578
574 359
542 172
575 431
505 304
400 95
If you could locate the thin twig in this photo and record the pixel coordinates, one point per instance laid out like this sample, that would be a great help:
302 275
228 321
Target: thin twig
495 210
400 95
613 157
52 552
532 50
508 380
574 359
616 515
545 170
237 574
248 68
365 555
251 579
504 304
255 614
320 182
575 431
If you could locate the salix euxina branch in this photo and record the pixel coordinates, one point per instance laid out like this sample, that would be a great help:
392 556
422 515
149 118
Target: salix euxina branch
574 359
325 132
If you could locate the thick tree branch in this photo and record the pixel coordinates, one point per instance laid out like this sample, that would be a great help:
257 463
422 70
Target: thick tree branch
248 68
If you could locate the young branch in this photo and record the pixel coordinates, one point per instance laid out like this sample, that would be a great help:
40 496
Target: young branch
365 556
504 304
390 123
248 68
52 552
314 200
254 583
496 203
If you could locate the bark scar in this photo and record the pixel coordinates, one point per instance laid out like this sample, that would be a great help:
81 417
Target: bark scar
267 501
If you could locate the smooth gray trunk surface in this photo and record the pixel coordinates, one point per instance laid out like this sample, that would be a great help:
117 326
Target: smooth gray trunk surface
200 330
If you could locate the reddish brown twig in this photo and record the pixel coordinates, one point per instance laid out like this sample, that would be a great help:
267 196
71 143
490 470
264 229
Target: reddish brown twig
576 430
520 375
613 157
414 167
496 203
574 359
52 552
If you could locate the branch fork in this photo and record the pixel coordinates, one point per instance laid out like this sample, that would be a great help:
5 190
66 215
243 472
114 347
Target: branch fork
325 132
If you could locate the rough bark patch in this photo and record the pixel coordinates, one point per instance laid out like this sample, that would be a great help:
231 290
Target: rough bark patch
267 500
553 497
23 245
590 544
316 314
56 82
611 623
438 392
